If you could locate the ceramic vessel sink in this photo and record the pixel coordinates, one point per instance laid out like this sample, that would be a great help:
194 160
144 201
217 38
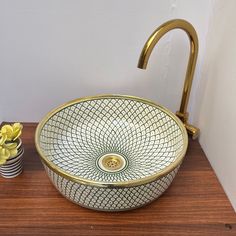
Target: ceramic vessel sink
111 152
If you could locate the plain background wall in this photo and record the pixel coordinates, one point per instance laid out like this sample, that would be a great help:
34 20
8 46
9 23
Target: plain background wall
53 51
216 109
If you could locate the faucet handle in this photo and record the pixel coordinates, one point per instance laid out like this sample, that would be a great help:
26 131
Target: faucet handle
192 130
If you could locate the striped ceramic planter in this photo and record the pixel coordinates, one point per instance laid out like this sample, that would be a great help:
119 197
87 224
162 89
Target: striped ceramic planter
14 165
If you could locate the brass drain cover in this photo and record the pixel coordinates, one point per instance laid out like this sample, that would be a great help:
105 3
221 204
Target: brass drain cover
111 162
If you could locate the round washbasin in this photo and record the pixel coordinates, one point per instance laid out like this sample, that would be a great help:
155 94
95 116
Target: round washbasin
111 152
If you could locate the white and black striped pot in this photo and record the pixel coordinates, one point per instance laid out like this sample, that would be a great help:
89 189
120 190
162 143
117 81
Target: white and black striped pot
14 165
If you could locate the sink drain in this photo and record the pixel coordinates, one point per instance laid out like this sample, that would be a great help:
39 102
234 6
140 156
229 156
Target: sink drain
112 162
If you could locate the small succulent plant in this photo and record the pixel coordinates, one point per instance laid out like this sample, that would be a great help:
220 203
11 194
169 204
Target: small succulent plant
8 141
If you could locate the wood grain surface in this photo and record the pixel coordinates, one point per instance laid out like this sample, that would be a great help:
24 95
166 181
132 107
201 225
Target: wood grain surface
195 204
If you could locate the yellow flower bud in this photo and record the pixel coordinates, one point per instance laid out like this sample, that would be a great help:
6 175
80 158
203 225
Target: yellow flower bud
10 132
3 138
17 130
13 152
4 155
7 130
10 145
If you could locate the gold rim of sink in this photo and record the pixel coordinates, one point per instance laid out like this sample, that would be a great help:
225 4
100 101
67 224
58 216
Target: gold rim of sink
130 183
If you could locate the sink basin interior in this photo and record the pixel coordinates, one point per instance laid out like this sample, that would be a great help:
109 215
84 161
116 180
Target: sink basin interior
111 139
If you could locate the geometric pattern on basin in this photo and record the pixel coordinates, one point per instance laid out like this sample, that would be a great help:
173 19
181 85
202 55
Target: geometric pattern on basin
77 136
111 152
111 199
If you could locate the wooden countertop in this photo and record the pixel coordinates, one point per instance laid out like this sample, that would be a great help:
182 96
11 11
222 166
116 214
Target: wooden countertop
195 204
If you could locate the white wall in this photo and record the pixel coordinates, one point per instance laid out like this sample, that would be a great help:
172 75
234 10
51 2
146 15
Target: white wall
53 51
216 106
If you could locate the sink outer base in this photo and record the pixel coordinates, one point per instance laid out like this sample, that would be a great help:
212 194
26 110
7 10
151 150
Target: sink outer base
111 198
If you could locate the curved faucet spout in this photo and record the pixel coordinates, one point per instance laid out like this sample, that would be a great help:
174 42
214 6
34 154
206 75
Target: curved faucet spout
147 50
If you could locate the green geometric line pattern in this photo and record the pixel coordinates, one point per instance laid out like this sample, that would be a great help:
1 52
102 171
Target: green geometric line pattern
111 199
76 136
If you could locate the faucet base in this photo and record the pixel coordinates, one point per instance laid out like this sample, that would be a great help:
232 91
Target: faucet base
182 116
192 130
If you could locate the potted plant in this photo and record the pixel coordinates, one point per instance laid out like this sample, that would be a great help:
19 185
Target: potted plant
11 151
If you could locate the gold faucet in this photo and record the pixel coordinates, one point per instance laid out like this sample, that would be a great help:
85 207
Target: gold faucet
147 50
